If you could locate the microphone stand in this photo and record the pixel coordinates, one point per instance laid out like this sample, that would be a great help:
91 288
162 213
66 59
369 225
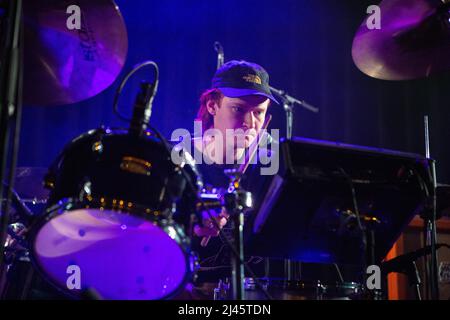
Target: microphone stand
11 73
220 55
288 103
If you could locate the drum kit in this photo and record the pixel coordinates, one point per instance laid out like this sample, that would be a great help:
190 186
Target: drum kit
113 209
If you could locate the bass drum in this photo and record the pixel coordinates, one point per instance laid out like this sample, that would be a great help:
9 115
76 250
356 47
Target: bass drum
116 219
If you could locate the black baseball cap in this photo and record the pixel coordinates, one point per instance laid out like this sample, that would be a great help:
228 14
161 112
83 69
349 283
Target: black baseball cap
241 78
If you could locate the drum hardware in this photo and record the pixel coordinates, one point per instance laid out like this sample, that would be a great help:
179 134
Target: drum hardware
236 201
284 289
11 82
23 213
16 232
430 215
28 183
221 292
406 264
16 252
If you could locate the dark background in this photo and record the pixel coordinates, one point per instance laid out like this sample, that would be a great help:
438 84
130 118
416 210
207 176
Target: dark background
304 44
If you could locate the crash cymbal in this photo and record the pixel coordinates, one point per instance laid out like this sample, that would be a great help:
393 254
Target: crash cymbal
63 66
413 41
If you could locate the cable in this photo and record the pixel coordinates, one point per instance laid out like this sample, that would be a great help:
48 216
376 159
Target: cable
125 80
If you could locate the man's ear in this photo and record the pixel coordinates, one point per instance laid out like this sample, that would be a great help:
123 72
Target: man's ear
211 106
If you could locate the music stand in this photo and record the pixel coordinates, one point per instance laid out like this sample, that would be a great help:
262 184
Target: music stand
308 211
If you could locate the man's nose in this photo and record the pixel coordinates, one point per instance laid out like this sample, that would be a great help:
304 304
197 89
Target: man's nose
250 120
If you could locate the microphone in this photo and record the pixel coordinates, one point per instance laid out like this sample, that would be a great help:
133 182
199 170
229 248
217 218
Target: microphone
220 56
143 108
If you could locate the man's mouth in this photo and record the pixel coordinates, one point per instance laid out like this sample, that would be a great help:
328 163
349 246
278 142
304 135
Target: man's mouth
244 139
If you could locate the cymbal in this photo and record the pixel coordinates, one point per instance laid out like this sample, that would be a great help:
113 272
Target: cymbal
413 41
29 183
63 66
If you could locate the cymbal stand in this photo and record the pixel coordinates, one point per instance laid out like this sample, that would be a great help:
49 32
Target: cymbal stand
429 218
11 57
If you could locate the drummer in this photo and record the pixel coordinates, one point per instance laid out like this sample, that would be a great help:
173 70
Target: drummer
238 99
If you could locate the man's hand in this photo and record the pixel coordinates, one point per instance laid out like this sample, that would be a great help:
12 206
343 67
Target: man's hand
208 228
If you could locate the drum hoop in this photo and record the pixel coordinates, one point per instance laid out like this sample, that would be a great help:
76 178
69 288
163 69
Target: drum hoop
74 204
162 219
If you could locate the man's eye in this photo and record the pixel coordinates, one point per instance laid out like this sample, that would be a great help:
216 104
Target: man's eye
237 109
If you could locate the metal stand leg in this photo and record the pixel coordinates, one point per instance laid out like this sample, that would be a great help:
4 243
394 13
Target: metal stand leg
237 265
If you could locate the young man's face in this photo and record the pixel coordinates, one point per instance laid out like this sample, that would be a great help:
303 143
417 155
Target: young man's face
247 113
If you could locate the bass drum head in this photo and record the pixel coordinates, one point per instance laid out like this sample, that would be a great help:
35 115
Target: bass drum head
118 256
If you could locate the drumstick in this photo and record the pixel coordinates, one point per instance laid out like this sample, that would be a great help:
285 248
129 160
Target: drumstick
244 167
252 154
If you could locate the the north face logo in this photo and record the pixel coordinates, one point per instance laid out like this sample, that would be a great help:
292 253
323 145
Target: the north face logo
252 78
